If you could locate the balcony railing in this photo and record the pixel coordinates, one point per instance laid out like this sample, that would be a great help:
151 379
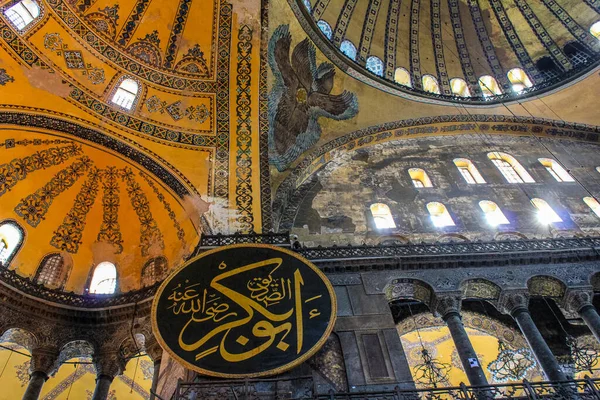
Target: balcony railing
292 389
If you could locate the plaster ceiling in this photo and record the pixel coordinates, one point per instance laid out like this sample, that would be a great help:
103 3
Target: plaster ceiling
454 39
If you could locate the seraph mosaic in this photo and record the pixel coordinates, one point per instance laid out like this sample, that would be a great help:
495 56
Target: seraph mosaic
301 94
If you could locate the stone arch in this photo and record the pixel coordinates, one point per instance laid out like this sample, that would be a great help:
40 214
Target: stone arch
480 289
546 286
75 349
480 322
452 238
21 337
132 346
395 240
502 236
409 289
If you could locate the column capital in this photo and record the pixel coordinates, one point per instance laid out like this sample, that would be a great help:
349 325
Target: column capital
445 303
109 364
44 359
575 299
511 301
153 349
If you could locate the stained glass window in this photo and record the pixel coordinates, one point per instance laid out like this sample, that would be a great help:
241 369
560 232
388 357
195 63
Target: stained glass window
325 28
348 49
375 65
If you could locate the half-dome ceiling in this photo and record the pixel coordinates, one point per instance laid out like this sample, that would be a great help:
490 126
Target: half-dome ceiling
443 48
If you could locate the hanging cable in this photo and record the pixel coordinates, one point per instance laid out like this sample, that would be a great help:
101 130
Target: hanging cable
5 364
72 381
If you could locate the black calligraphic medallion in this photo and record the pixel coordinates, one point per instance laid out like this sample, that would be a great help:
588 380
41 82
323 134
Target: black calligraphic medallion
244 311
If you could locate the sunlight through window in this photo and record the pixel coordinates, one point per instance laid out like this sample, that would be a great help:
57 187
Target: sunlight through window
439 214
493 213
546 214
382 216
104 280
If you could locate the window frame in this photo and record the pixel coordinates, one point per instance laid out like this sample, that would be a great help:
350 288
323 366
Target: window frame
62 274
495 216
93 273
117 87
352 46
421 176
556 170
405 73
29 24
486 90
555 217
322 22
509 166
469 168
19 245
524 81
465 92
153 261
596 208
387 216
434 81
379 65
444 219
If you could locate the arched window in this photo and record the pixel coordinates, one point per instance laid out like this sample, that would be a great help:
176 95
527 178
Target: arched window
402 77
545 213
348 49
104 279
126 94
493 213
556 170
439 214
153 271
489 86
307 5
512 170
430 84
419 178
468 170
23 13
547 68
577 54
375 65
325 28
519 79
51 271
593 204
11 239
459 87
595 29
382 216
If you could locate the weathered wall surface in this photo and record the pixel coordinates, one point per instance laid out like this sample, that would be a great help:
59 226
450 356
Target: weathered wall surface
336 209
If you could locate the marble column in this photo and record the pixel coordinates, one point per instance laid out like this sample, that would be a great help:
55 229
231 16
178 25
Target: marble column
154 350
448 307
580 302
108 365
516 304
43 362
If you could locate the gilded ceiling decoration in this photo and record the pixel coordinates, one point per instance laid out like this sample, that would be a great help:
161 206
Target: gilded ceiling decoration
448 39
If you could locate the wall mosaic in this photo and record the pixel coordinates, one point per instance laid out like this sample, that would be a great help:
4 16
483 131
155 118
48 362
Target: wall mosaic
301 94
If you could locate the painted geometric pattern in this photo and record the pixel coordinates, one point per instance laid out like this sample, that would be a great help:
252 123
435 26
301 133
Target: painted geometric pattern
133 20
178 25
149 232
67 236
415 65
366 39
595 4
17 169
343 21
390 38
34 207
319 9
438 46
515 42
110 231
463 50
12 142
561 59
166 205
486 44
582 34
243 190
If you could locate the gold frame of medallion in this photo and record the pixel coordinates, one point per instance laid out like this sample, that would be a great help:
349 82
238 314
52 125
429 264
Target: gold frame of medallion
275 371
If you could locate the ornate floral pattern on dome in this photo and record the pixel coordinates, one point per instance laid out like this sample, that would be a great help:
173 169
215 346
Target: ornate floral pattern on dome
105 20
193 62
147 49
301 94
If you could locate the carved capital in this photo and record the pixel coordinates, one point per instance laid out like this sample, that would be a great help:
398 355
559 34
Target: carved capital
108 364
513 301
44 359
575 299
154 350
446 303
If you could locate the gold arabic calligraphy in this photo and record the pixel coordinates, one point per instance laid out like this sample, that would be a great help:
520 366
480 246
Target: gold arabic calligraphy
213 304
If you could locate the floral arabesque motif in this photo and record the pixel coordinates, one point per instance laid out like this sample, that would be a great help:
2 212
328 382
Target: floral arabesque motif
301 94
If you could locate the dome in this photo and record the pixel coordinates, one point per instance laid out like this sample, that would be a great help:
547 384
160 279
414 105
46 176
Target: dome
463 51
